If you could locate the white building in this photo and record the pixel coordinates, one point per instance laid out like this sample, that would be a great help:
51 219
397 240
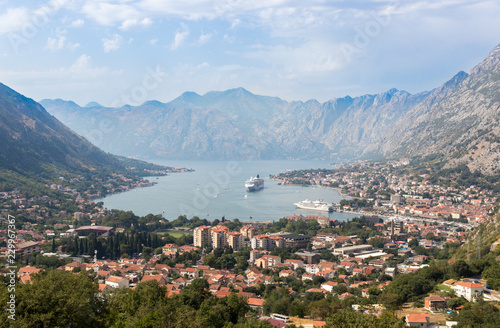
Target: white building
328 286
313 268
117 282
468 290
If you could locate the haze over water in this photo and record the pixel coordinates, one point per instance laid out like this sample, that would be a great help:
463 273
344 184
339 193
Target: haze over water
217 188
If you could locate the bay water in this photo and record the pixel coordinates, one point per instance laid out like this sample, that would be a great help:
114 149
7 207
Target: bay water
217 188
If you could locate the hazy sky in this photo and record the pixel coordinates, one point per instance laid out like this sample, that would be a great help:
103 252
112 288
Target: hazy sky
131 51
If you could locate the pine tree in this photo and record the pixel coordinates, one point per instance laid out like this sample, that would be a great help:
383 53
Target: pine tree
81 248
77 250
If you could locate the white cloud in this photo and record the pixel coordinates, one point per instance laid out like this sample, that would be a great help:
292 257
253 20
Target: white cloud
112 44
235 23
204 38
82 64
311 58
77 23
153 41
131 23
79 81
14 20
108 13
179 39
28 21
81 69
54 44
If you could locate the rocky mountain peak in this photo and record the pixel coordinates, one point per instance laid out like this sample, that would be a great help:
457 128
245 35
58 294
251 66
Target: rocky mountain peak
456 80
490 63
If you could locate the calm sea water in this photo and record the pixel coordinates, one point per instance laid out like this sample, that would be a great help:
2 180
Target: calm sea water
216 189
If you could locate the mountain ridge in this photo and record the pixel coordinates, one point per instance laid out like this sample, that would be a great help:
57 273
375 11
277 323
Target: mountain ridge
237 124
36 144
461 122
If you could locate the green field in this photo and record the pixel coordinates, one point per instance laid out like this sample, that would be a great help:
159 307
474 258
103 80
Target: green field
178 233
446 288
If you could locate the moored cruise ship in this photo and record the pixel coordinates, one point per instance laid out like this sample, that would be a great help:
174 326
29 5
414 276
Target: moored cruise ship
254 184
317 205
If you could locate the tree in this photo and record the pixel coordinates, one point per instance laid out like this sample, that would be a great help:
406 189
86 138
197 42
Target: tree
238 307
278 300
251 323
138 307
298 309
146 253
318 280
377 242
412 243
57 299
352 319
391 301
492 274
319 309
481 315
454 302
460 269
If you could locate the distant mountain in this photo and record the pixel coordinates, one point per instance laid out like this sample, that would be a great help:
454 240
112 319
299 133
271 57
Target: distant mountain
93 104
34 143
236 124
460 120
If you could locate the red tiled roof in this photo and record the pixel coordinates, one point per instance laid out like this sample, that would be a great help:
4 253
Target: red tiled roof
469 284
417 318
256 301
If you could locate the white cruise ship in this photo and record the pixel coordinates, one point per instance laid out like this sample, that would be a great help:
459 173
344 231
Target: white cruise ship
254 184
317 205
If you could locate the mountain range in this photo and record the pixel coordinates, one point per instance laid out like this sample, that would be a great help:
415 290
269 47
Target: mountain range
458 120
36 144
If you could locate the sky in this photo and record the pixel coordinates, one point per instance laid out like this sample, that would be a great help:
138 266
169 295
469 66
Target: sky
130 51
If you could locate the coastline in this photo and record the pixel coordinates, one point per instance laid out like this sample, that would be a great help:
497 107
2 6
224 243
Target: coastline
143 183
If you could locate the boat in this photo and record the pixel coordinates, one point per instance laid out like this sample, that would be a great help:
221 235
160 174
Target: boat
317 205
254 184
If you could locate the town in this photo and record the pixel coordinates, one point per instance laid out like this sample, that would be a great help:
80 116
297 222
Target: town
293 271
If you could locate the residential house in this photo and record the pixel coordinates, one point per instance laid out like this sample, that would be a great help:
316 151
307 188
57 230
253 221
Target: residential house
344 296
327 274
435 303
117 282
286 273
267 261
417 320
349 266
294 264
256 303
468 290
328 286
103 288
162 280
313 268
268 280
192 273
307 276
